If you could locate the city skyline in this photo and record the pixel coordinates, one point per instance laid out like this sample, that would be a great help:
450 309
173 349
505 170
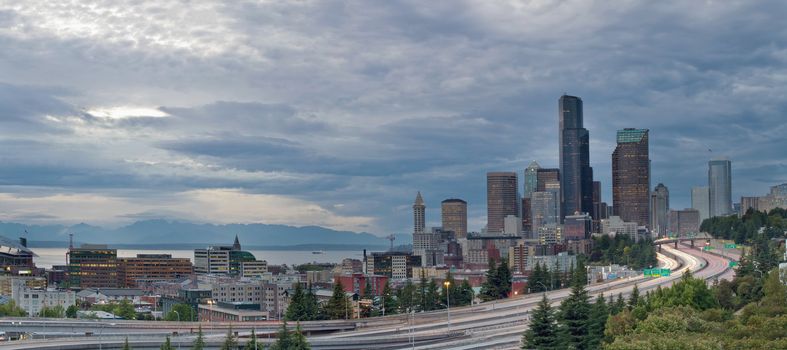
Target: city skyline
309 121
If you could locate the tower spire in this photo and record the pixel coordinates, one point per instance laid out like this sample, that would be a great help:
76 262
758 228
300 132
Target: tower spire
236 245
419 214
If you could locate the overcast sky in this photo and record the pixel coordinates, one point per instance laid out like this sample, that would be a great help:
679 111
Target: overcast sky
335 113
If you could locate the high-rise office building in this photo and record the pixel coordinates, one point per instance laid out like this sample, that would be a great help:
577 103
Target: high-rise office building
700 200
545 207
683 222
454 215
146 268
597 213
531 179
545 176
93 266
720 187
576 176
659 210
502 199
419 214
631 176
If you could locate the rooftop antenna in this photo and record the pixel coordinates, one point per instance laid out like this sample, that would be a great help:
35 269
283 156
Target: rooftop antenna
70 241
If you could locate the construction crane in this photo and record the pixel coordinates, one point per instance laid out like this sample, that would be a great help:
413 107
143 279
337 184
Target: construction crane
391 238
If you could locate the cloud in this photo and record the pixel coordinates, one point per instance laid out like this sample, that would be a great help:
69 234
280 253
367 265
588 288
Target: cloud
354 106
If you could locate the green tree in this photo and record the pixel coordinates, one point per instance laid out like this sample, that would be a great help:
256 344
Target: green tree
489 289
432 297
466 294
405 296
543 333
167 345
580 274
633 297
56 311
338 306
299 308
71 311
230 342
598 320
252 344
389 302
199 343
182 312
368 291
290 341
10 309
125 310
689 291
504 277
574 318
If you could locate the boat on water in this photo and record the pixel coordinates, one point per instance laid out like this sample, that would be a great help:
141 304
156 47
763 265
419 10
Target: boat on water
318 252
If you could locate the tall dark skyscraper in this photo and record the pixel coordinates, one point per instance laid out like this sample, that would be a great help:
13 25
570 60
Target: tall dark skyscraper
576 176
502 199
631 176
720 187
659 210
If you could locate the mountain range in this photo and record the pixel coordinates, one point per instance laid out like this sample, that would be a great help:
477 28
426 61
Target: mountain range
164 233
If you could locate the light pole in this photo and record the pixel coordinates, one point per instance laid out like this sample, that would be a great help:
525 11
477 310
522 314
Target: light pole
542 285
447 285
177 313
412 331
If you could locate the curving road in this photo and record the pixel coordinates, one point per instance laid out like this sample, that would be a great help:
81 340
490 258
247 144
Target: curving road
498 324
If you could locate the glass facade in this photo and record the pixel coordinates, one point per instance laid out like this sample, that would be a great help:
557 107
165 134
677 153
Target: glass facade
576 176
720 187
631 177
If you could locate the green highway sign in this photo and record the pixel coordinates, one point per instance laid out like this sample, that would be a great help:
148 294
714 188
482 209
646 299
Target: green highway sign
729 246
665 272
733 263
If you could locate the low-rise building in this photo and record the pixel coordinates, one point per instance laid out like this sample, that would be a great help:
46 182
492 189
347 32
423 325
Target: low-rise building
563 261
146 268
31 297
616 226
231 312
356 283
15 257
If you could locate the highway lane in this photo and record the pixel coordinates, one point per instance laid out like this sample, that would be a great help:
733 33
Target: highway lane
480 326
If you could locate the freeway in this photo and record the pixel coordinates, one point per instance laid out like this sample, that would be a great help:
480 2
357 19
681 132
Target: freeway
496 324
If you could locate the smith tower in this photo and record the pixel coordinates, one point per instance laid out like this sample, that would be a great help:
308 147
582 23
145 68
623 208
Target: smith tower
419 214
576 175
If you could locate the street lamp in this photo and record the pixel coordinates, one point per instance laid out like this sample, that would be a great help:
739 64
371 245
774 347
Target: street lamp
177 313
447 284
542 285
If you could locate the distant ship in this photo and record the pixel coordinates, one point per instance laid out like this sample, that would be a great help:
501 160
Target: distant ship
318 252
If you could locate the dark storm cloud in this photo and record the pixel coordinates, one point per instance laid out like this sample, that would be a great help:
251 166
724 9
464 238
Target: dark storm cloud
356 105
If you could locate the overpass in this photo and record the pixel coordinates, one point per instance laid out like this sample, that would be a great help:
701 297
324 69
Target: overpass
687 238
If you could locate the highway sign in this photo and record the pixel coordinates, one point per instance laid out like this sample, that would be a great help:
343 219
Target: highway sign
733 263
730 246
665 272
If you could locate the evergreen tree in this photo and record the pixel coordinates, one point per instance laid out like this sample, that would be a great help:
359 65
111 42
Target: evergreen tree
252 344
298 340
199 343
536 281
312 306
556 282
432 296
423 286
368 292
405 296
503 280
296 311
389 303
598 320
337 307
620 304
570 277
543 333
283 340
126 346
167 345
634 297
580 274
230 343
466 294
574 318
489 289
